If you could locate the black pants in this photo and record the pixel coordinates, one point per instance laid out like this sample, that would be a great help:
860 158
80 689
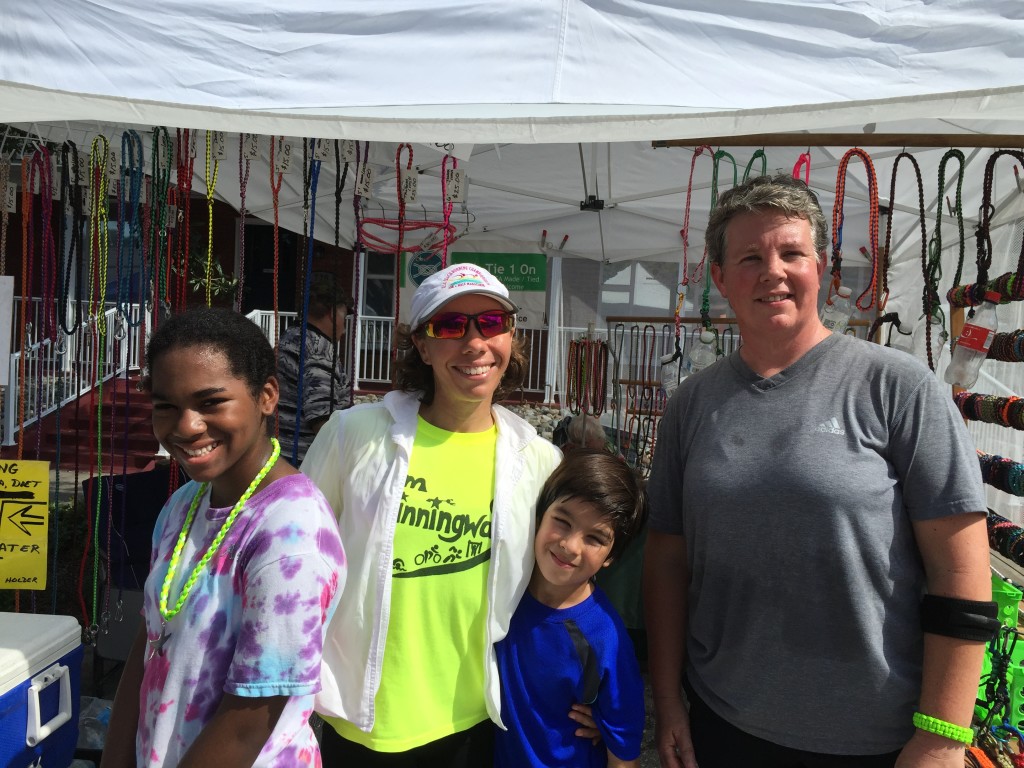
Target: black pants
472 748
718 744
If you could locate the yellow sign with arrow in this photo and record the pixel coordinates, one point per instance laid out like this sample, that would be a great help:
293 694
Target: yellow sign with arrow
24 523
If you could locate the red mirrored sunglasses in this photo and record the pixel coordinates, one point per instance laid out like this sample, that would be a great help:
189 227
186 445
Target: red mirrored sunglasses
453 325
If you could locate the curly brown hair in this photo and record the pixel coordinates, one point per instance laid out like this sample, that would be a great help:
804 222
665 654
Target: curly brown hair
414 375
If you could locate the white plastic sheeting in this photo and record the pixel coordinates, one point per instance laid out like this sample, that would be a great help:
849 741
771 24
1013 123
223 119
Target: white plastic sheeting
534 71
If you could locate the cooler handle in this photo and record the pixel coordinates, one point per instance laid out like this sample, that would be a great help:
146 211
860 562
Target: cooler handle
34 731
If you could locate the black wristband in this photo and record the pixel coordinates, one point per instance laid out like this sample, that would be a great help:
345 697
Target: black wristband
963 619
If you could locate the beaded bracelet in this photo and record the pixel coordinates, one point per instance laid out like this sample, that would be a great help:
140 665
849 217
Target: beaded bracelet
942 728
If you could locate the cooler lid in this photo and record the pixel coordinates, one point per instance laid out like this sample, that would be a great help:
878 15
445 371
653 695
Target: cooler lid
31 642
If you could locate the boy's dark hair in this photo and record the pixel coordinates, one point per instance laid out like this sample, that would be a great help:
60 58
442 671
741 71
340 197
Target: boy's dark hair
414 375
600 478
249 354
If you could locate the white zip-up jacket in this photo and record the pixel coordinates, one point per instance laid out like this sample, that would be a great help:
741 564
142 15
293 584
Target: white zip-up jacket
360 460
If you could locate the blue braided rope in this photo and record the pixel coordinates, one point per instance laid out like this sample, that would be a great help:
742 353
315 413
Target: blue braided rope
132 174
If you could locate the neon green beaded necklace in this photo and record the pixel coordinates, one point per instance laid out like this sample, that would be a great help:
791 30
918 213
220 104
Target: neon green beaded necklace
172 567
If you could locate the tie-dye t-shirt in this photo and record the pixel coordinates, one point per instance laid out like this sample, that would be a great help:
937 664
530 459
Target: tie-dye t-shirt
253 624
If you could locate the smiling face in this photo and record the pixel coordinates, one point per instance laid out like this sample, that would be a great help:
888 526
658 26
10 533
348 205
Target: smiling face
466 371
771 275
208 418
573 543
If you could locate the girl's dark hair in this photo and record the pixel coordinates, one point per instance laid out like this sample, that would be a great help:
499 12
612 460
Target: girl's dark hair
603 479
249 354
413 375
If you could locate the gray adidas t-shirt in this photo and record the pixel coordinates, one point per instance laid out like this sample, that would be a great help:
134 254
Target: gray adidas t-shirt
795 494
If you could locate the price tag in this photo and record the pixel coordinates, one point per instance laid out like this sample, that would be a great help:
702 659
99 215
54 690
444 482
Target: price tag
217 145
172 218
348 151
322 149
83 169
282 157
54 178
163 142
87 200
113 170
455 185
11 198
250 146
409 182
192 144
364 184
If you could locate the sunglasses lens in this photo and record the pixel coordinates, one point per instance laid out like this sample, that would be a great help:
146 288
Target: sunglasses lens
448 325
494 323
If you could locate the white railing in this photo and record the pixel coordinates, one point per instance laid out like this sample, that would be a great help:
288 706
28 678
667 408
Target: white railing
56 372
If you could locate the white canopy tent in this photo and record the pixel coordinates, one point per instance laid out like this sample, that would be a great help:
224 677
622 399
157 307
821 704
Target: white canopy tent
549 102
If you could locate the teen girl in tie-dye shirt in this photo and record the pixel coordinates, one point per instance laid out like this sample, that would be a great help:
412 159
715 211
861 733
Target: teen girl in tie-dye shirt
227 663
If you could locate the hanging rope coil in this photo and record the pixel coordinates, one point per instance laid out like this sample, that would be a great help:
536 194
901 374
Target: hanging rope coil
931 270
1009 286
161 160
186 166
447 206
838 217
991 409
803 162
935 246
340 176
5 176
244 165
129 241
705 300
586 379
313 175
70 258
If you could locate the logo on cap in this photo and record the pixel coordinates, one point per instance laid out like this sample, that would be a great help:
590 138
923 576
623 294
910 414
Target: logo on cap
465 277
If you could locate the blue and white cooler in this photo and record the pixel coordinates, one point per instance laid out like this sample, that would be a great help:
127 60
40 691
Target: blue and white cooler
40 674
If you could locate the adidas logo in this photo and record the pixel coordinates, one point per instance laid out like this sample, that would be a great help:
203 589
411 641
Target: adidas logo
831 427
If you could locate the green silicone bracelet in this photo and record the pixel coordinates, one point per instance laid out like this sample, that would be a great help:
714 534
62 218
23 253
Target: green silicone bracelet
942 728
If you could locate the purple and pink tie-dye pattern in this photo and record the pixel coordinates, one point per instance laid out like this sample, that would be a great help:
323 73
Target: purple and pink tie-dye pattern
253 625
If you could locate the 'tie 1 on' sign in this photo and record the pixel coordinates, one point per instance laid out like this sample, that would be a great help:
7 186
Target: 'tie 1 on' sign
24 523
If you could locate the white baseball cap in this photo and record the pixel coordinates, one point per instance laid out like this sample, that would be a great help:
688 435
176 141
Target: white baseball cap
451 282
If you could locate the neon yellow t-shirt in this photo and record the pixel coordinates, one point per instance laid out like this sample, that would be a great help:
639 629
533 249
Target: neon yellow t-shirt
432 674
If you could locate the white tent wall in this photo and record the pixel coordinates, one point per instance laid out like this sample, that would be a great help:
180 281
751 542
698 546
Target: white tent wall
548 102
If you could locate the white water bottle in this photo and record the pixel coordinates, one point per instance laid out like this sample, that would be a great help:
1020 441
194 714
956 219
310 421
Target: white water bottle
702 354
902 337
836 315
939 337
972 345
670 372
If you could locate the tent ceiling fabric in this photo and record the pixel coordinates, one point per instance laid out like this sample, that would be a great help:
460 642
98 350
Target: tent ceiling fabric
538 71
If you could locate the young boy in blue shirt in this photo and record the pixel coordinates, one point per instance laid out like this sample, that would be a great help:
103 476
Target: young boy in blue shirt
566 644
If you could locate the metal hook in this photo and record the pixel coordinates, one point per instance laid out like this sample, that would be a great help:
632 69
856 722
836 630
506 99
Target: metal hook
121 326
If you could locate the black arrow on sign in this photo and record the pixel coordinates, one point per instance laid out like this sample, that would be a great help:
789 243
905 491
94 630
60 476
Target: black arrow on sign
26 518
